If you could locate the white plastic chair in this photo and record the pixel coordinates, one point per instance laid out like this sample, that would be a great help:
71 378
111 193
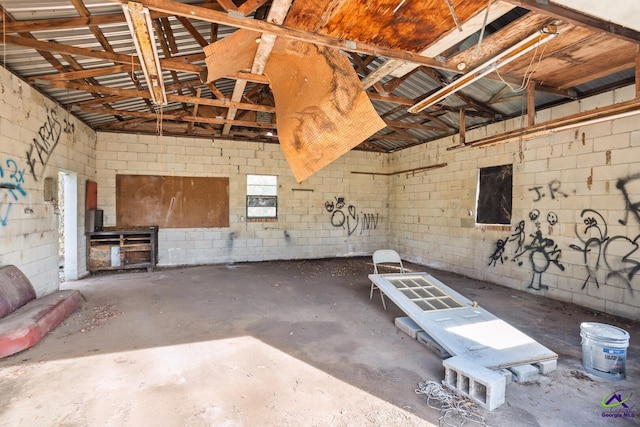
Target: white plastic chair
385 258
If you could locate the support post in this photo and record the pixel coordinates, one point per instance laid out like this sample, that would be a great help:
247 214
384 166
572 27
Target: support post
637 71
462 129
531 103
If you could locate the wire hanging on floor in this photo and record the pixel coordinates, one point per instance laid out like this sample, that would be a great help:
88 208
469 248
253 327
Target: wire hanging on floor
455 410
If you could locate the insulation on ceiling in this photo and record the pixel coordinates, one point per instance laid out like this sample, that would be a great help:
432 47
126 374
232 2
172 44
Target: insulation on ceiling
322 111
231 54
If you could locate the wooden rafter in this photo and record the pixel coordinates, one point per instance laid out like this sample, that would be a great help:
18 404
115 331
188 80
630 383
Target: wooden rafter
188 118
277 14
133 93
231 112
578 18
361 67
192 30
13 26
208 15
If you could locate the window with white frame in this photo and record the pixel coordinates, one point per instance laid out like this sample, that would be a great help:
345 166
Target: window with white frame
262 197
495 188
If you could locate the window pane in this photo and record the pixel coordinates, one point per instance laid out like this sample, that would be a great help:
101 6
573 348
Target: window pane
494 195
261 212
262 190
261 185
262 180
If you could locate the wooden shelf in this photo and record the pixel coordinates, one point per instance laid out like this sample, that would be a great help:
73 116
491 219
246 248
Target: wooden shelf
122 249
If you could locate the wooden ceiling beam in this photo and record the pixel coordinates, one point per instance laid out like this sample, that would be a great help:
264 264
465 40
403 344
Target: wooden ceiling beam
167 31
228 5
195 110
207 15
83 74
393 111
84 12
540 87
391 99
215 91
35 25
167 116
432 118
477 105
251 6
404 134
578 18
165 45
277 13
574 121
60 23
178 63
133 93
499 41
9 19
407 125
193 31
390 137
123 124
396 82
362 68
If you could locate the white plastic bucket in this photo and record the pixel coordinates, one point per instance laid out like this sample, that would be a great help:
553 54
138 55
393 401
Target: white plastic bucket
604 349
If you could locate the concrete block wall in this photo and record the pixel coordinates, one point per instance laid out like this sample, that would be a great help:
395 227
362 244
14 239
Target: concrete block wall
588 178
575 191
308 225
38 138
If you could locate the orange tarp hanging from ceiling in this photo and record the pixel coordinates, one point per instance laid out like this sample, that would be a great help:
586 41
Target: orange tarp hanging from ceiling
322 111
231 54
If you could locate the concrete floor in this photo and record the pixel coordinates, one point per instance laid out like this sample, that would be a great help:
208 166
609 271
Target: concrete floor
281 343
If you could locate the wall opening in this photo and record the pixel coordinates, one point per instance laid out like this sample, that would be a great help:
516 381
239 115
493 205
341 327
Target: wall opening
68 225
495 190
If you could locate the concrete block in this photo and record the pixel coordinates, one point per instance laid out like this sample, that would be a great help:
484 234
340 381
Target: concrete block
432 345
546 366
507 374
524 373
408 326
481 385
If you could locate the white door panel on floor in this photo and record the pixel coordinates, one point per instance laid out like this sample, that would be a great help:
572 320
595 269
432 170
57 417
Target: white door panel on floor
460 328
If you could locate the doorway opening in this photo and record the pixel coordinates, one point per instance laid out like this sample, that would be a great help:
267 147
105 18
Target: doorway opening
67 225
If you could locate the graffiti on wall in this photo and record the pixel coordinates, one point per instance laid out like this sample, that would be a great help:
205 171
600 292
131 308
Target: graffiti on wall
45 142
12 175
551 190
631 206
535 250
347 217
606 257
11 190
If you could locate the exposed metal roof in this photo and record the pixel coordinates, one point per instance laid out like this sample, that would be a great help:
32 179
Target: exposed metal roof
60 38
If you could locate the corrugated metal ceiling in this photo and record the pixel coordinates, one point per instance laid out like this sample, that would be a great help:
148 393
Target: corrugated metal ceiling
484 101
